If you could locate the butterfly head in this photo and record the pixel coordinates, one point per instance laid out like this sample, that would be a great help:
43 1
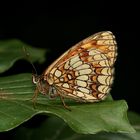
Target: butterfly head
40 83
36 78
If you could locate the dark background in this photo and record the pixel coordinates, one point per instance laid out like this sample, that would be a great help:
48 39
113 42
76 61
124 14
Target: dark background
59 25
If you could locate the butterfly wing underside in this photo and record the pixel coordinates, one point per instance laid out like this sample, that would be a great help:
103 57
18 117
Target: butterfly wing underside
85 72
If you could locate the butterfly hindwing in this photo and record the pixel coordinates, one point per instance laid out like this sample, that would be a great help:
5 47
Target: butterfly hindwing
85 71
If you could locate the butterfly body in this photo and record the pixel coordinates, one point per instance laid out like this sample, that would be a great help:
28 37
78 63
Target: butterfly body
84 72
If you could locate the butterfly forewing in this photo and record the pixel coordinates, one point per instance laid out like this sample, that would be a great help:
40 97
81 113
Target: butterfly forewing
85 71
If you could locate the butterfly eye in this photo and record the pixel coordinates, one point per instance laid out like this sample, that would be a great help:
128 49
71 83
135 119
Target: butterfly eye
35 78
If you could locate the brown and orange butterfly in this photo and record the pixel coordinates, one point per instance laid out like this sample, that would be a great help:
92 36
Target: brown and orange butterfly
83 73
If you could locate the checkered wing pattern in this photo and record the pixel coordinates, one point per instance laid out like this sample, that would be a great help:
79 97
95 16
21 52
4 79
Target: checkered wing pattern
85 72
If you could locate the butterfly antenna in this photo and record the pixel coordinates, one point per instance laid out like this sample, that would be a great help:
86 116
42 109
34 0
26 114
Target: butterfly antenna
29 59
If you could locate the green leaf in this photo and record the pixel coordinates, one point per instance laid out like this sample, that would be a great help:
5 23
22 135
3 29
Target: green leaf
16 107
59 130
12 50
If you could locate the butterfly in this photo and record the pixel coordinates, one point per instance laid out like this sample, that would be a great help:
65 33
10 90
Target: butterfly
83 73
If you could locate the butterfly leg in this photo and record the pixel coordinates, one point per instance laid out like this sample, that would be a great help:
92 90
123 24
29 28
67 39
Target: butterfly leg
55 92
35 97
66 107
